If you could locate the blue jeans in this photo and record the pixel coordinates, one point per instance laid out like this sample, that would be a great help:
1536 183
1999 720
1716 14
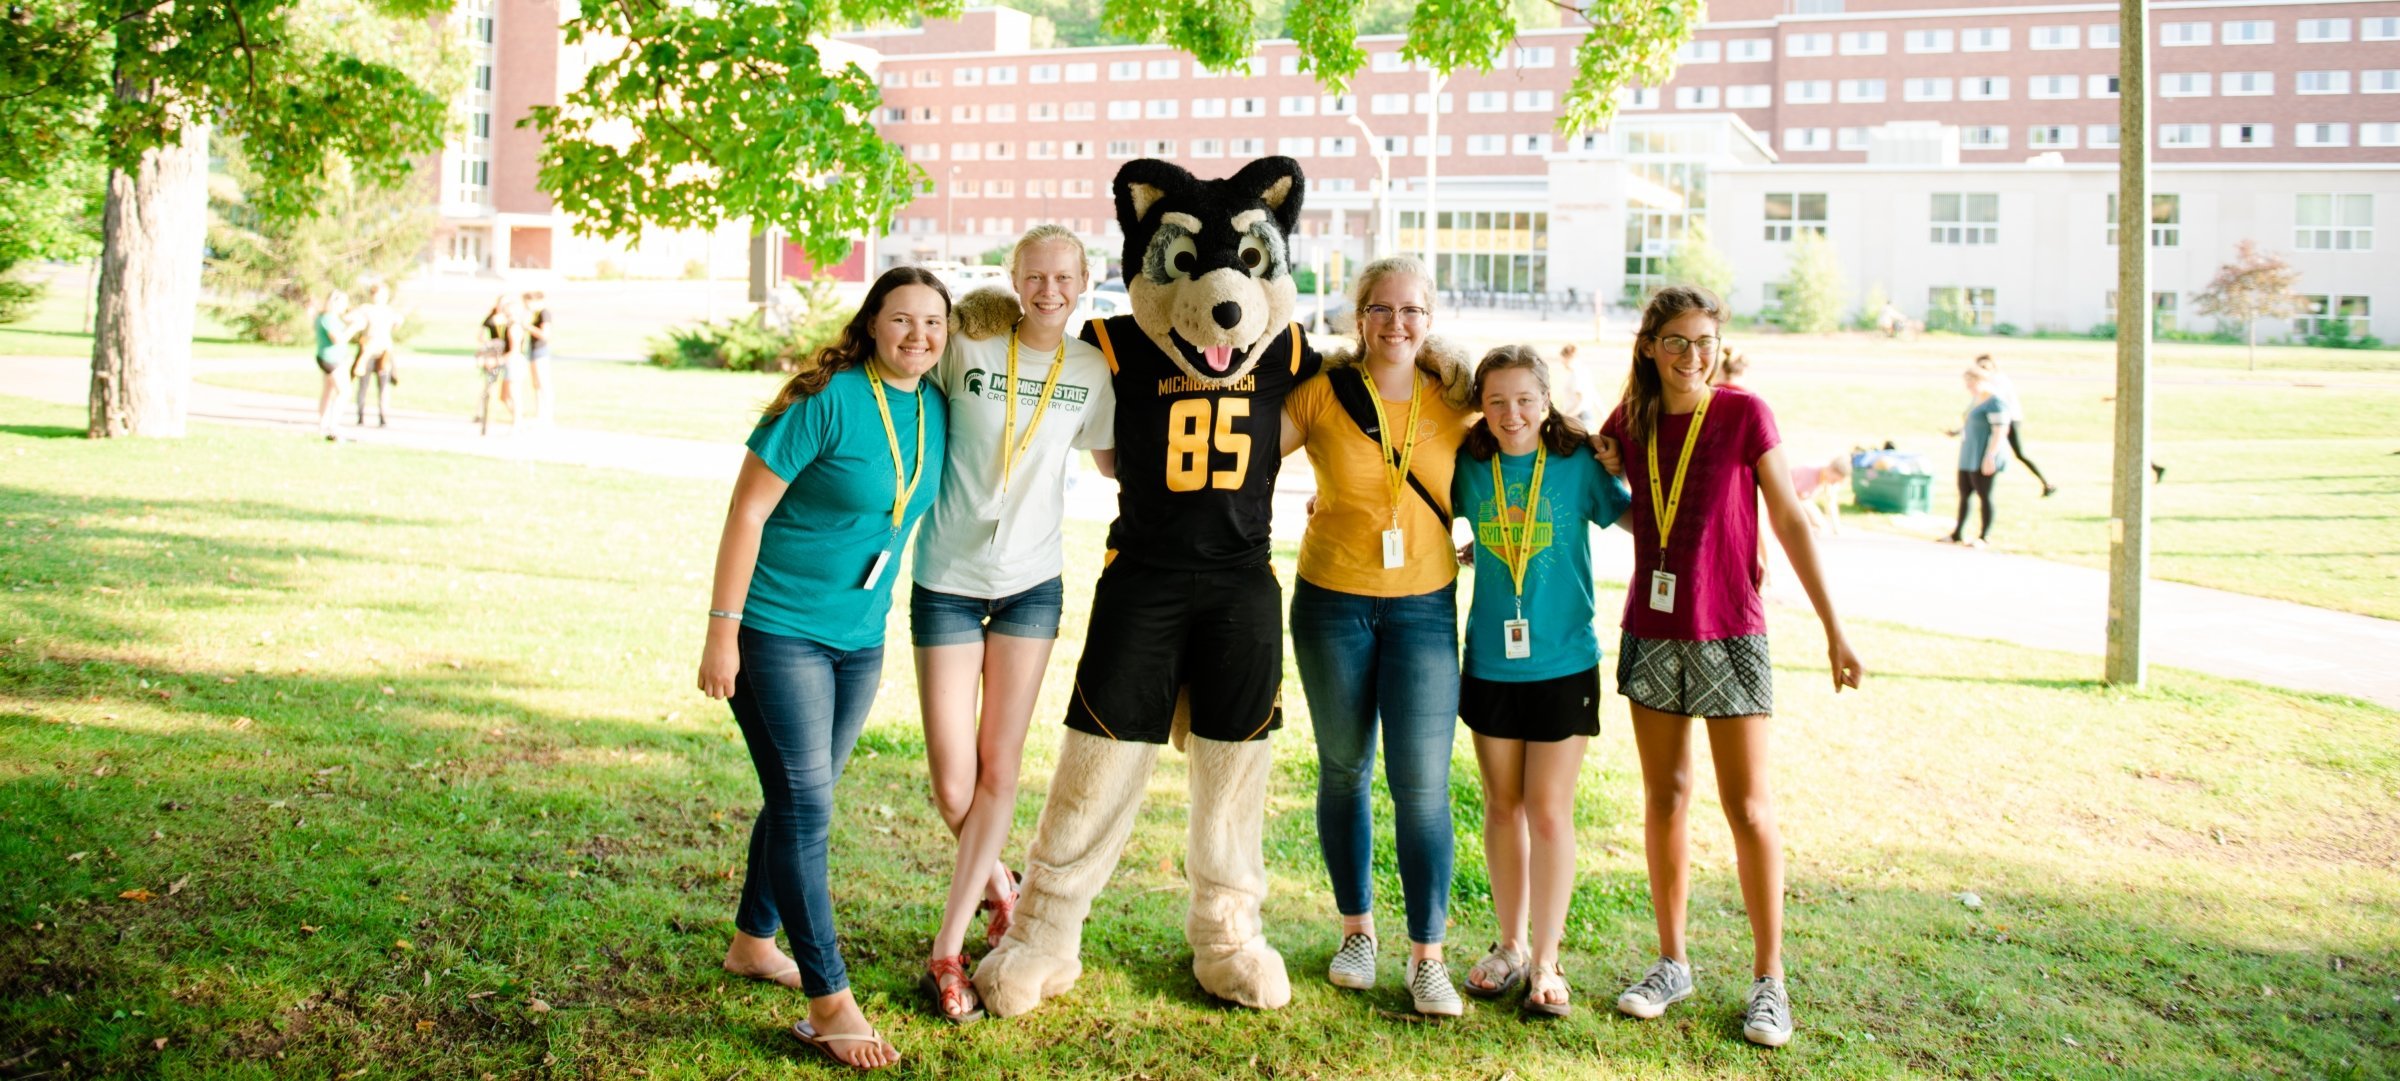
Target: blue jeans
801 706
1393 660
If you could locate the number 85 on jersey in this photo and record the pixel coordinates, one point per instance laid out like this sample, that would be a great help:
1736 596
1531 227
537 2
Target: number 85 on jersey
1191 435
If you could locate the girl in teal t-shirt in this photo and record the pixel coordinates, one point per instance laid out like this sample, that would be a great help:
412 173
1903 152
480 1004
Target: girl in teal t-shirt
1528 484
333 331
835 478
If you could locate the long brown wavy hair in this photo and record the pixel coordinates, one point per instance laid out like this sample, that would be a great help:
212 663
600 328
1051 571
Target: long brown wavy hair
857 342
1560 434
1644 398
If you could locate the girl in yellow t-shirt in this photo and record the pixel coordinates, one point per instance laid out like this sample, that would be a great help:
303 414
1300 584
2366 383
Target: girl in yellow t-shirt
1374 617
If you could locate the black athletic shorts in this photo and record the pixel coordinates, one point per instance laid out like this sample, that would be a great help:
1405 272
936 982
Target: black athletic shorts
1154 630
1536 711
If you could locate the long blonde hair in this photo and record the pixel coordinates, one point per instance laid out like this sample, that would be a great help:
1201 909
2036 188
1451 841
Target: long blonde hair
1644 397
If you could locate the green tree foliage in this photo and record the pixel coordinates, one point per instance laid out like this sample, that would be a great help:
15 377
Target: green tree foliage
1696 261
266 272
2255 285
700 114
297 81
300 84
1814 291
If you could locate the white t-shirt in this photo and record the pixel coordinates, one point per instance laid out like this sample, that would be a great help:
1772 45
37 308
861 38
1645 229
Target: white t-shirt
979 542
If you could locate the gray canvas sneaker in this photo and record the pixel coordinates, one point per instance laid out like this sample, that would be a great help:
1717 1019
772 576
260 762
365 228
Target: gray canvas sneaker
1430 990
1667 983
1354 964
1767 1021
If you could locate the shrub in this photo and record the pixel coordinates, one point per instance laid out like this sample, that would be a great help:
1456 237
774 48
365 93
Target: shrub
1950 312
2335 334
2104 330
1813 291
1870 310
778 338
271 319
607 270
17 298
2005 330
695 270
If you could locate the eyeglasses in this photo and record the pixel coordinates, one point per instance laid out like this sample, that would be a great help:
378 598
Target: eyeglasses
1677 344
1410 313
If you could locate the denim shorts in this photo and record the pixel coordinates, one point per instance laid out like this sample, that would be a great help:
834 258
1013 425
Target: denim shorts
947 619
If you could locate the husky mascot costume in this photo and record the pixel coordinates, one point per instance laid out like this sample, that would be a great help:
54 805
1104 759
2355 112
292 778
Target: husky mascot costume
1186 630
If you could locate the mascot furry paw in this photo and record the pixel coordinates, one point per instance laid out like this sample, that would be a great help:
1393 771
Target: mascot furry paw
1186 622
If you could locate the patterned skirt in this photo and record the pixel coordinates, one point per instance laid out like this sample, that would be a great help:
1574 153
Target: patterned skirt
1724 677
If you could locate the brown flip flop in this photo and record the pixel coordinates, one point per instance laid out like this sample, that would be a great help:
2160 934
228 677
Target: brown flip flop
823 1043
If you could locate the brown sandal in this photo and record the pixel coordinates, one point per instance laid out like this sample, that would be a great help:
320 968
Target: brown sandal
953 994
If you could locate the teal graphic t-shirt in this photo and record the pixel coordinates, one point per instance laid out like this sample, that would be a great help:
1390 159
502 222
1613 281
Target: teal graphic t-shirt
1577 494
816 548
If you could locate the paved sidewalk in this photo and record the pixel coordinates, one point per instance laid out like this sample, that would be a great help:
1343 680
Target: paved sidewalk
1976 594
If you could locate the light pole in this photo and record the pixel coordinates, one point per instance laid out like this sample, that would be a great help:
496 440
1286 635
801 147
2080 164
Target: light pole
949 194
1433 142
1383 185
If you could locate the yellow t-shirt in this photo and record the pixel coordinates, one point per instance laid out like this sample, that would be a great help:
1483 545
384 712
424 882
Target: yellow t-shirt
1343 547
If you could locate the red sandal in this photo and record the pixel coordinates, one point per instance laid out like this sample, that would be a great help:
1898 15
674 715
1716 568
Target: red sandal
953 994
1004 912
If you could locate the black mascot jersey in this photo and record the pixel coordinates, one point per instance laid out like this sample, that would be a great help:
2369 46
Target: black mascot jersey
1196 464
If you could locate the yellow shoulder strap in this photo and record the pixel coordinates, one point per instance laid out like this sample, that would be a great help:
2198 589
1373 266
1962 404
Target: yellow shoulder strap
1295 349
1108 351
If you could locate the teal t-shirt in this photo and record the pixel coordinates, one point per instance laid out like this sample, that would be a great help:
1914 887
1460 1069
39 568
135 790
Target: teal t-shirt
329 331
1577 494
1975 434
824 535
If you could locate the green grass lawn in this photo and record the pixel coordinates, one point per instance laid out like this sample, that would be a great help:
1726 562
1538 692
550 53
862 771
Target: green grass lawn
638 399
379 763
2283 484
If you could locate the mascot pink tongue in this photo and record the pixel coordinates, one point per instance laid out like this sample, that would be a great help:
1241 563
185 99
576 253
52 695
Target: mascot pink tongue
1187 606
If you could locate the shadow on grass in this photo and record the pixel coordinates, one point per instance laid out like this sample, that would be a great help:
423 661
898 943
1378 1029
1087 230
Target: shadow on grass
43 431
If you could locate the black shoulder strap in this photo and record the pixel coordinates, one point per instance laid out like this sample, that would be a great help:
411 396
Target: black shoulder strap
1352 395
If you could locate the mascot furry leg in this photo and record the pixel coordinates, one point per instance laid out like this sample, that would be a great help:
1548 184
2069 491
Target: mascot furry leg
1083 829
1084 826
1226 862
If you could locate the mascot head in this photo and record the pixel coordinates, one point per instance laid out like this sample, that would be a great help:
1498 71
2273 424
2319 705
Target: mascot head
1207 267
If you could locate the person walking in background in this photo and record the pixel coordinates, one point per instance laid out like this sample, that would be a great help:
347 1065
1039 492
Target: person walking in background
1980 436
537 354
375 324
984 609
2005 389
1819 489
1568 392
1374 616
332 328
1695 641
1527 482
834 481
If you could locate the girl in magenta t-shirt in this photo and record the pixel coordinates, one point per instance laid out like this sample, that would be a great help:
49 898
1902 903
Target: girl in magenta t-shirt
1695 634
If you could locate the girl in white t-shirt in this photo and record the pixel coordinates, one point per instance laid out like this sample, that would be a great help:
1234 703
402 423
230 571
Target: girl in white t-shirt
985 608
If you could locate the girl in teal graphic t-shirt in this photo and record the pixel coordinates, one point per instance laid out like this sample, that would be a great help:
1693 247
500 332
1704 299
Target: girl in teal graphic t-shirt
1528 484
835 478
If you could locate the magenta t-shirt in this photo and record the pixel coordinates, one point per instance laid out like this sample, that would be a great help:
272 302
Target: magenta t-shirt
1714 549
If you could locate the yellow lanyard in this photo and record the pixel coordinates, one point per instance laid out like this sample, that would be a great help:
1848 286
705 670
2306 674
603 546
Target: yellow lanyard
1010 452
1395 466
1517 553
904 482
1664 508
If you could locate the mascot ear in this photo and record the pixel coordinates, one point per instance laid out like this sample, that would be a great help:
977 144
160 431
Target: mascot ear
1140 185
1276 182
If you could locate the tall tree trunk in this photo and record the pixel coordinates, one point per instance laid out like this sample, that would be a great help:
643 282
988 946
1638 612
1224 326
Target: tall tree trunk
151 234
